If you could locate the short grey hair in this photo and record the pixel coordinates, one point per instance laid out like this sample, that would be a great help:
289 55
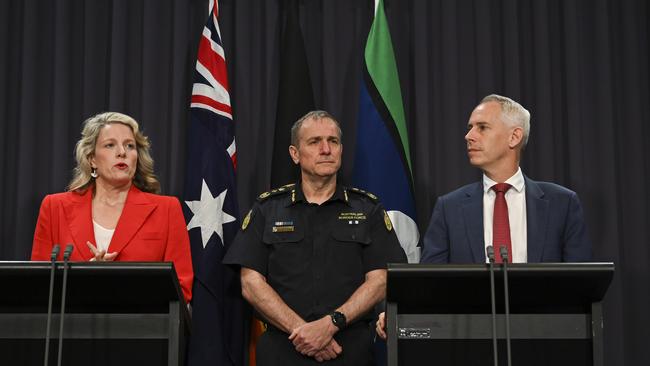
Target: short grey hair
317 115
513 113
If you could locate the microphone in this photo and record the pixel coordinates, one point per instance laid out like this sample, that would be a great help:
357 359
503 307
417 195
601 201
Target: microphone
66 257
504 258
53 255
55 252
490 254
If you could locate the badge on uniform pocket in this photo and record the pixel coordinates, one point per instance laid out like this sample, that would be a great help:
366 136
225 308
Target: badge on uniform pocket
283 227
352 218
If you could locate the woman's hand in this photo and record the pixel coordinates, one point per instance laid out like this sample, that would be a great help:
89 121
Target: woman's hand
100 255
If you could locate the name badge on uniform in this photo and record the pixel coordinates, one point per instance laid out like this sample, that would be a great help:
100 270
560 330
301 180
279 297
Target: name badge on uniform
283 227
353 218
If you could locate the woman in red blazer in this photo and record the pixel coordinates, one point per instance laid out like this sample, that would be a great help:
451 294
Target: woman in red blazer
111 210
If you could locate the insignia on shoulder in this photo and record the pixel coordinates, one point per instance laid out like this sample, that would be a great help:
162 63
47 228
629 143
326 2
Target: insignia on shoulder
265 195
247 220
365 193
389 224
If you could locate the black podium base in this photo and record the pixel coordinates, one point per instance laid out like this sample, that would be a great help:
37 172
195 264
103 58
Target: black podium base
477 352
86 352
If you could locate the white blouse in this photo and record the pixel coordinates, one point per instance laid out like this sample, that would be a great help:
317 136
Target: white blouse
102 236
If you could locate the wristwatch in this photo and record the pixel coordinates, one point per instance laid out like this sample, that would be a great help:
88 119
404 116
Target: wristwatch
338 318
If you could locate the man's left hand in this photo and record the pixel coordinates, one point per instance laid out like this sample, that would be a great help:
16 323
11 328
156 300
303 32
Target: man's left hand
311 337
330 352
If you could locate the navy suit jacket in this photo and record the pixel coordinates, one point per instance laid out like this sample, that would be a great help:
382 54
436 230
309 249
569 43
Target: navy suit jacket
555 226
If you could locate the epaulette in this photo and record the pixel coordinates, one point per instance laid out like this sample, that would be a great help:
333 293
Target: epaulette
364 193
284 189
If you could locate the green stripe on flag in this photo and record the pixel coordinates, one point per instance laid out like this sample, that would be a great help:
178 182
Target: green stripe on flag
380 61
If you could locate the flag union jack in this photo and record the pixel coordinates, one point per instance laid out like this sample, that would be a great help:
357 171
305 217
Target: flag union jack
210 89
211 209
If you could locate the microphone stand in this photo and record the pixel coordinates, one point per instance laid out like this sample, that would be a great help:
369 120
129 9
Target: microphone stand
66 256
504 258
53 255
490 255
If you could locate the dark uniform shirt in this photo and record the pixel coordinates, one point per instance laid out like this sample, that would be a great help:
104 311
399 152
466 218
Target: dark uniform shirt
315 256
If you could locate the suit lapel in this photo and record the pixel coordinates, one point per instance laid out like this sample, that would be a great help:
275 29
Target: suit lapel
473 216
536 220
135 212
78 212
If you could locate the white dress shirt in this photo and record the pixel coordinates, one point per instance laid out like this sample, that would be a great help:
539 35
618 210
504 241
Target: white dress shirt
516 200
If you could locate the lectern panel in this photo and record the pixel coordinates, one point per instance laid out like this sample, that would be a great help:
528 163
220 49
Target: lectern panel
117 313
443 313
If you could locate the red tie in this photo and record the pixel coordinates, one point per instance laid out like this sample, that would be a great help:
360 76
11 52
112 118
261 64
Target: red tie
500 223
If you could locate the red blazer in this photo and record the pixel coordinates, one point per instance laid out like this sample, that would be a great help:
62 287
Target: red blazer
150 229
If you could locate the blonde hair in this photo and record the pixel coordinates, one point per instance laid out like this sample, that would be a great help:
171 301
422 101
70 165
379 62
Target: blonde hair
144 177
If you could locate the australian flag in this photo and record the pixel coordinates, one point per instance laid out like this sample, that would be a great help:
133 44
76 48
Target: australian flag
211 209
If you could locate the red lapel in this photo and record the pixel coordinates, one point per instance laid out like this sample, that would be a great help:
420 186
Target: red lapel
78 212
135 212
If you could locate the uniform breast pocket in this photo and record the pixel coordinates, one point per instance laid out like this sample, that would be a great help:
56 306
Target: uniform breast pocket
287 246
348 242
352 235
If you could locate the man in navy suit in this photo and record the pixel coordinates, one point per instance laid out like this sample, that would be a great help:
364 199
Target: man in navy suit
545 220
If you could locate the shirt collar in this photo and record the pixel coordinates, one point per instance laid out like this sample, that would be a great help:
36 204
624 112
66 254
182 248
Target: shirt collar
516 181
297 195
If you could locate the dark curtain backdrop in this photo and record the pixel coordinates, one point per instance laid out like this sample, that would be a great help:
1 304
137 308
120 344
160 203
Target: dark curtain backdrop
580 67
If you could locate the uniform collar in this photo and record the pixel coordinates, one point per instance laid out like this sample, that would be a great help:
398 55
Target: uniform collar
297 195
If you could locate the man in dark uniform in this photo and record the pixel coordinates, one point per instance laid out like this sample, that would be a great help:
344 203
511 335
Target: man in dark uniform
313 257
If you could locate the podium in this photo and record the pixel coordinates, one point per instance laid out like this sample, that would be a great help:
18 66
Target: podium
442 314
117 313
